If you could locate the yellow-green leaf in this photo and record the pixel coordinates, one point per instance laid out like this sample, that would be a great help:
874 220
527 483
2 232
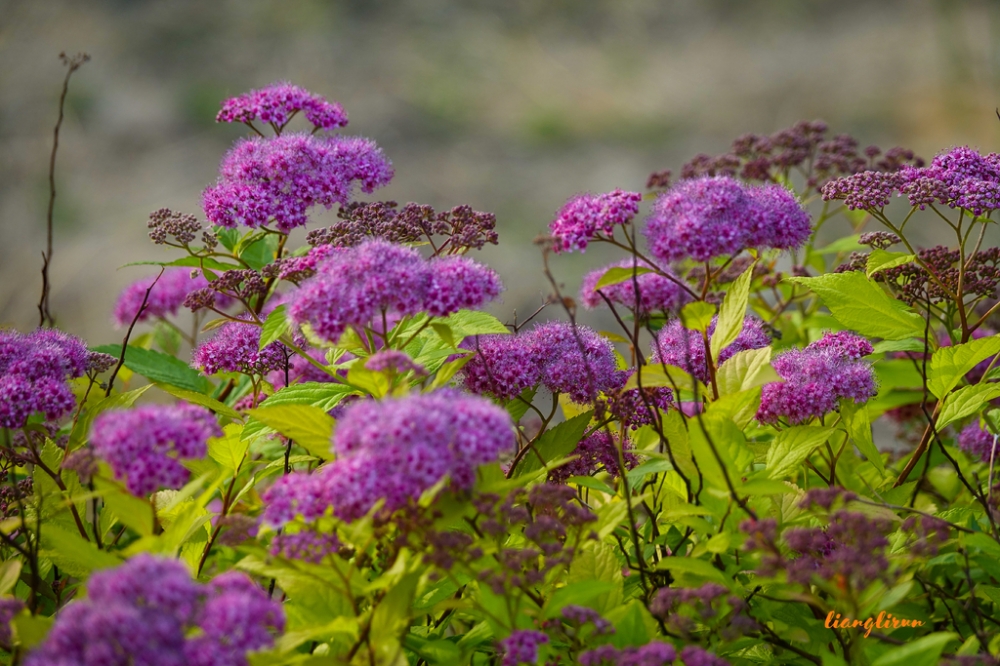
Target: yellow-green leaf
310 427
732 313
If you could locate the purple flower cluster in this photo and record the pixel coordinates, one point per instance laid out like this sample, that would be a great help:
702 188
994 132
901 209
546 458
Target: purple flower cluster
281 178
394 450
306 545
585 215
581 615
355 285
655 653
565 359
277 103
978 442
849 552
712 217
165 298
145 443
646 294
683 610
236 348
9 607
34 368
816 378
958 178
635 408
521 647
394 361
686 349
596 451
143 611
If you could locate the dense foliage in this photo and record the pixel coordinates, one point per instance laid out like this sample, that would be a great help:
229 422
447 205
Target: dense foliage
346 460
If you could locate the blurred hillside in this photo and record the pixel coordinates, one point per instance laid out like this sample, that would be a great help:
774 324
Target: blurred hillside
510 106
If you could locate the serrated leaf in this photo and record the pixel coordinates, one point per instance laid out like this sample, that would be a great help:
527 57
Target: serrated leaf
886 346
845 244
555 443
859 427
746 370
159 367
74 555
192 262
862 306
732 313
698 568
880 260
619 274
129 509
310 427
924 651
715 437
664 375
966 401
276 325
229 450
472 322
201 399
792 446
520 405
949 365
323 395
448 370
697 315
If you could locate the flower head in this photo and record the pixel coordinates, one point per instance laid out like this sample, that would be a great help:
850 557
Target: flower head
712 217
144 444
816 378
354 286
521 647
978 443
236 348
281 178
597 451
143 611
583 216
394 450
277 103
34 368
575 360
165 298
686 349
503 366
645 294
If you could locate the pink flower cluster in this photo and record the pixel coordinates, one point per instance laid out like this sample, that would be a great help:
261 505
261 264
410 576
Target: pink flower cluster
143 445
144 612
705 218
585 215
281 178
394 450
645 294
236 348
277 103
354 286
34 368
165 299
686 349
816 378
565 359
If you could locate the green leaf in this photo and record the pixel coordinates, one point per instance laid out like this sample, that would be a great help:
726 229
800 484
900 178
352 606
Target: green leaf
924 651
592 483
448 370
192 262
638 473
845 244
697 315
859 427
596 562
862 306
792 446
766 487
71 553
260 252
880 260
687 565
276 325
201 399
472 322
129 509
520 405
746 370
620 274
664 375
579 593
159 367
323 395
310 427
714 437
949 365
229 450
966 401
732 313
555 443
31 629
910 344
10 571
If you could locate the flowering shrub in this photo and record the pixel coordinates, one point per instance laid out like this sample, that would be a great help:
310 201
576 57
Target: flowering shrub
346 461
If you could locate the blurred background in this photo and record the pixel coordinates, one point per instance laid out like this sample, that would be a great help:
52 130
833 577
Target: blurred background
510 106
